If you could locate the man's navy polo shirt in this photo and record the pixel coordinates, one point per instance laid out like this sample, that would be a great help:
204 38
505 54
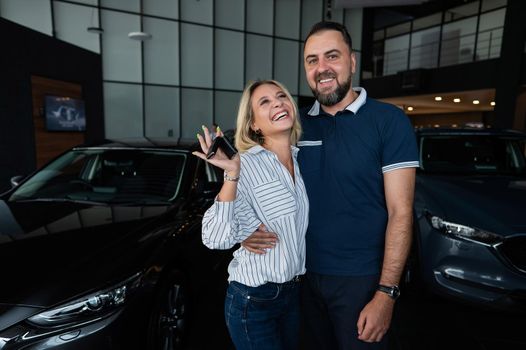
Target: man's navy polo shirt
342 160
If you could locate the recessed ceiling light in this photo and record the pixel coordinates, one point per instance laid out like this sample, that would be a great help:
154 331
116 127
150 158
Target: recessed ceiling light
492 103
140 36
438 98
476 102
456 100
410 108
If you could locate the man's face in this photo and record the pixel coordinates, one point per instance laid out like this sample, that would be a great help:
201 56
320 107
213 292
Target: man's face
329 66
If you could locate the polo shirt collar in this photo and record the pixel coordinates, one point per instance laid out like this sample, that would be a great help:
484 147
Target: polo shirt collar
353 107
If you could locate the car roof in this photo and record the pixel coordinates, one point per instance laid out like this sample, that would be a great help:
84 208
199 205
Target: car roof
468 131
145 143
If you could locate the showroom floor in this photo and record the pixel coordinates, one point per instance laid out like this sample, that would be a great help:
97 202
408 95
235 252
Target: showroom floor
432 323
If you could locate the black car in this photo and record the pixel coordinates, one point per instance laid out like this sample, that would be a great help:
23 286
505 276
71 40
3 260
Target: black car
470 216
101 249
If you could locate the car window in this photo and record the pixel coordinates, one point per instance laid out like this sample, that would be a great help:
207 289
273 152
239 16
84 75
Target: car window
472 154
108 175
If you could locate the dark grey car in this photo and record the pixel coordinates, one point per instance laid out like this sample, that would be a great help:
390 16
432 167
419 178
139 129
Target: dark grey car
470 215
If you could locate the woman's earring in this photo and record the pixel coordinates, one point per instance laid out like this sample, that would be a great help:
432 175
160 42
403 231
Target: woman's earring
259 136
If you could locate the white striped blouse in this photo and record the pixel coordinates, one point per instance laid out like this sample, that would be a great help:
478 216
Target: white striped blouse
266 193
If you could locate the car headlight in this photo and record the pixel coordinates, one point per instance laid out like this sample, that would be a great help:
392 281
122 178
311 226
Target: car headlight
463 231
89 307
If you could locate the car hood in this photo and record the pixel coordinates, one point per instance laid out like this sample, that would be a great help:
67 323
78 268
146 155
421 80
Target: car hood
51 252
491 203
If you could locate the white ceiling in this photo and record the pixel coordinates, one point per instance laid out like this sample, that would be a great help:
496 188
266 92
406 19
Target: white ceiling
426 104
373 3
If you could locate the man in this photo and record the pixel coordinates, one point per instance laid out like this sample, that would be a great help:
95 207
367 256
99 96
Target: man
358 158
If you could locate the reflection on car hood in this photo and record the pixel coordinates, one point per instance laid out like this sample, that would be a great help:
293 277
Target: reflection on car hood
491 203
65 249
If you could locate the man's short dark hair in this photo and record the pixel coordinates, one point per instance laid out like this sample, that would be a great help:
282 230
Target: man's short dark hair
323 26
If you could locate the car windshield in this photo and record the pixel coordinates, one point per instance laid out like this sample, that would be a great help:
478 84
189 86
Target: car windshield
108 176
473 154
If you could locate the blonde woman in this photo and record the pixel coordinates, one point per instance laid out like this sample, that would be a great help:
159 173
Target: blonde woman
263 186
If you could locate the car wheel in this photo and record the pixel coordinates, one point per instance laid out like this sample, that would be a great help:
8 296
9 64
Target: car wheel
169 317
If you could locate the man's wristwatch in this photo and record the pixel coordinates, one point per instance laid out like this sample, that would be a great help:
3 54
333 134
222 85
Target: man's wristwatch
392 291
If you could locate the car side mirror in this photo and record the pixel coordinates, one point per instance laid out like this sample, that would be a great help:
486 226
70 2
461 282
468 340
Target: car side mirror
15 180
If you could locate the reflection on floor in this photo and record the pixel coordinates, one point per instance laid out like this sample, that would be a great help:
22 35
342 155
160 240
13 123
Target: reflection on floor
433 323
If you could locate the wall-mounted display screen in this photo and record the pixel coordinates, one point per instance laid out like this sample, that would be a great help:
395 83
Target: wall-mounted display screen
64 114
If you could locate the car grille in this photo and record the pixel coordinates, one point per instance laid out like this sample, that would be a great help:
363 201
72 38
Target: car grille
514 250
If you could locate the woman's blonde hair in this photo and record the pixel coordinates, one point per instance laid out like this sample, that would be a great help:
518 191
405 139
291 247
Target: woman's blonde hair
247 138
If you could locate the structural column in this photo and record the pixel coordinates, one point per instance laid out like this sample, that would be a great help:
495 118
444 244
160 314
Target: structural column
511 64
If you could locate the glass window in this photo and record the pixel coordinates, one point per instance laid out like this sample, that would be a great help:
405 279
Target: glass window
230 14
71 23
492 4
122 56
226 105
398 29
285 66
378 35
354 24
29 13
89 2
108 176
492 20
424 48
127 5
163 8
229 59
258 57
197 11
311 13
459 12
473 154
490 34
304 86
161 53
259 16
196 111
123 110
396 54
458 42
489 44
162 111
428 21
336 15
287 19
356 77
196 55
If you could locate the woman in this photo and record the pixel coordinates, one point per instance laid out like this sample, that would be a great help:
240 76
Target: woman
262 186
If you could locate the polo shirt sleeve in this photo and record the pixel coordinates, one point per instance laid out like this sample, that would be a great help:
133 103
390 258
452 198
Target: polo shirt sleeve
228 223
399 148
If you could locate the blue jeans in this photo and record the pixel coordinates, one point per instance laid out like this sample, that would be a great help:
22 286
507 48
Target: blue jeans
264 317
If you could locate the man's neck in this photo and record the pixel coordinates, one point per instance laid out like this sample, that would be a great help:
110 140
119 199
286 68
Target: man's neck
340 106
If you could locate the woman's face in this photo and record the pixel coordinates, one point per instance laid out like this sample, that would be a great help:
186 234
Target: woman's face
273 111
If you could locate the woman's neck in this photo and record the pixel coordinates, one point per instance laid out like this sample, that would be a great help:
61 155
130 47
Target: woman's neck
281 147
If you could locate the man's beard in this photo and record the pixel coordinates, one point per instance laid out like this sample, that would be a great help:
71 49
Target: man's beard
337 95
